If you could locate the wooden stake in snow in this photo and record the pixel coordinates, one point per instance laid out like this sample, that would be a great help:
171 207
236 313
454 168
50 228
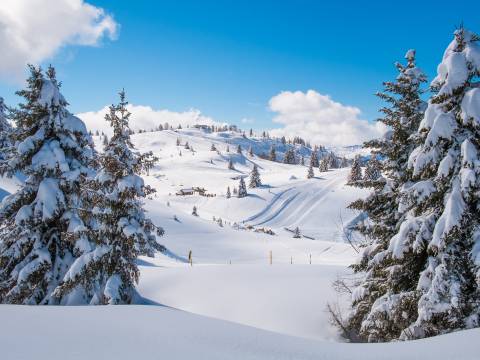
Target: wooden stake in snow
310 259
190 260
291 259
270 256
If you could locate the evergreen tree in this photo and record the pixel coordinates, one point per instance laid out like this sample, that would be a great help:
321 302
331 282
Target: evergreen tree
5 132
250 151
402 115
229 195
289 157
323 165
187 146
242 189
373 170
302 161
310 173
194 211
273 155
239 149
42 230
255 178
105 140
228 149
356 171
106 272
230 164
213 148
314 159
178 142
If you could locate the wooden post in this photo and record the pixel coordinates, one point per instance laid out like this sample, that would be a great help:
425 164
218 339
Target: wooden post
310 259
190 260
270 257
291 260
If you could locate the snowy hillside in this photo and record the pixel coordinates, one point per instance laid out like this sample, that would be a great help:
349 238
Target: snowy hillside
270 282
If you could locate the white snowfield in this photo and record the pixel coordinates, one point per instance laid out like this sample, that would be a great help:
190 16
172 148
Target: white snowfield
247 294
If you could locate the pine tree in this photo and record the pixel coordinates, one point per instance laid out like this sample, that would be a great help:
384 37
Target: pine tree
105 140
373 170
255 180
242 189
302 161
187 147
323 165
355 172
310 173
213 148
228 149
273 155
289 157
402 115
230 164
194 211
314 159
178 142
5 132
42 230
239 149
229 194
106 272
250 151
443 201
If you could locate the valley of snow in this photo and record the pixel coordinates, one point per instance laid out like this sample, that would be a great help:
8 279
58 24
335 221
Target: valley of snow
230 303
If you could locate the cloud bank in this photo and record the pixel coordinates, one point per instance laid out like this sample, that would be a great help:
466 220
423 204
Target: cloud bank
319 119
33 31
146 118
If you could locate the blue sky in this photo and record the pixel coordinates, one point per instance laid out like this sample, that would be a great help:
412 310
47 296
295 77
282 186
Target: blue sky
228 58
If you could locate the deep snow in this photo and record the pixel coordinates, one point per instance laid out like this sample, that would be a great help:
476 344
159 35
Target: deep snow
231 277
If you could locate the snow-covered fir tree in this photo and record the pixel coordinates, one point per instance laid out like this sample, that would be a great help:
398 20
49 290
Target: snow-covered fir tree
213 148
242 189
356 171
239 149
302 161
41 225
372 170
255 180
323 165
230 164
289 157
403 114
5 132
229 194
107 271
250 151
194 211
431 263
314 159
310 173
272 156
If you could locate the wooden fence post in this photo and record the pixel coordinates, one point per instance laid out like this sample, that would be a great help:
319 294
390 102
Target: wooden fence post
190 259
271 257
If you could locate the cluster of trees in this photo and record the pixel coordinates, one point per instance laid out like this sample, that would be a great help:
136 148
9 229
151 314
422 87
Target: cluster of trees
419 268
72 232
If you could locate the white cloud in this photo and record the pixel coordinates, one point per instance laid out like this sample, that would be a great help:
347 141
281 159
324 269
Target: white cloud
146 118
33 31
247 121
319 119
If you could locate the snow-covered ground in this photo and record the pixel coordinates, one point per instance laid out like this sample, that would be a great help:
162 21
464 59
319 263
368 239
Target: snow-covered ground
231 293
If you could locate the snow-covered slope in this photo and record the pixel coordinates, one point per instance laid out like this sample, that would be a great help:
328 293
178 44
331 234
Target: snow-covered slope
154 332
